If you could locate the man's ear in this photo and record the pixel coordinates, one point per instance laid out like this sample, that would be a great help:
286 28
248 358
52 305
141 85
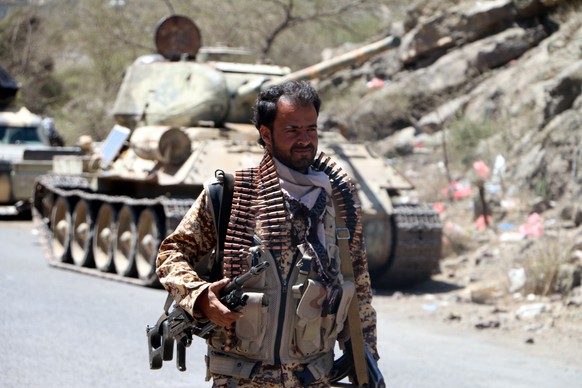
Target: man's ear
266 135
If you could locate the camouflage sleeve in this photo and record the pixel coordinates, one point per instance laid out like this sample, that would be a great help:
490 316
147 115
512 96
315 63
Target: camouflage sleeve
194 237
364 294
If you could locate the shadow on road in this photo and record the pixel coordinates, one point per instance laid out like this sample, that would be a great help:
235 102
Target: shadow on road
428 287
26 216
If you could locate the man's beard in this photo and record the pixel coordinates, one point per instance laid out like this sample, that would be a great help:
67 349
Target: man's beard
301 164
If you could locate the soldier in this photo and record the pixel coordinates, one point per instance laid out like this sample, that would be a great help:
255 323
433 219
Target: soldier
284 211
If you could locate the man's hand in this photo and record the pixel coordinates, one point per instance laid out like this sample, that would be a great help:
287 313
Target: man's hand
209 304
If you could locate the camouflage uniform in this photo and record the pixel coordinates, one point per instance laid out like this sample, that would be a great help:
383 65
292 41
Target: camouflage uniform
196 236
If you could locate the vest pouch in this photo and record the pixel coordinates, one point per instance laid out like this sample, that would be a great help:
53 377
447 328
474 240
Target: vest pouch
328 332
348 289
307 336
333 253
333 324
251 327
227 365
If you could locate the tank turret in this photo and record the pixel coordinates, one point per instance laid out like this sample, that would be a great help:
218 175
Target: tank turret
186 84
182 114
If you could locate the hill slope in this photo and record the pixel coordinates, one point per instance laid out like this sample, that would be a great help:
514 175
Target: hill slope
481 106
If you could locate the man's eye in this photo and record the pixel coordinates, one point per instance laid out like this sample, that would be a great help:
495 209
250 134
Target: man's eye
297 129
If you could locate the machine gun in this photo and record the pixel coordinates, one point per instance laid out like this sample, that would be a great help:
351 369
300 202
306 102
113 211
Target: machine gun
344 367
179 326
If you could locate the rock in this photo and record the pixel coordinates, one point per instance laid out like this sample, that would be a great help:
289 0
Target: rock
475 61
572 212
433 121
530 310
461 24
485 295
568 278
488 325
564 89
575 298
401 143
453 317
517 279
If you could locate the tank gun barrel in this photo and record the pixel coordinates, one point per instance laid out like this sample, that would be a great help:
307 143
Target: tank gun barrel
330 66
165 92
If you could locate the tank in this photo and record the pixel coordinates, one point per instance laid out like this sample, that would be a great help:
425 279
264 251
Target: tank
27 146
181 115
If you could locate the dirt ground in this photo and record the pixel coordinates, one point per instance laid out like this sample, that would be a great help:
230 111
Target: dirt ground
474 289
556 332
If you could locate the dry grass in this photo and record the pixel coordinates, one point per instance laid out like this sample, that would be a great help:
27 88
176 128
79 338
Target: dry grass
542 263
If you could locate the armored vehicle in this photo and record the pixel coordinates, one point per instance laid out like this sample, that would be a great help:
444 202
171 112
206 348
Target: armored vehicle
181 115
27 145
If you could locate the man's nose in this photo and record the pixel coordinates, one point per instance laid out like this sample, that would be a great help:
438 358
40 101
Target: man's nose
304 137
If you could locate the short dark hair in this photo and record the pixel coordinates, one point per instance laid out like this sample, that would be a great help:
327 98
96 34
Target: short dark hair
296 92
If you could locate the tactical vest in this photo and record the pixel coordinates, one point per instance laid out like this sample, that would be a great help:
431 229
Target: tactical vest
306 302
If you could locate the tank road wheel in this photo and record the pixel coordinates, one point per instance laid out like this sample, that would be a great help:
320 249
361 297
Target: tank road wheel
380 242
418 246
81 242
149 236
103 237
126 242
46 206
61 230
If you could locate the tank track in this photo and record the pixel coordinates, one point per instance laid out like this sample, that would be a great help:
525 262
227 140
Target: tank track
414 257
78 187
416 249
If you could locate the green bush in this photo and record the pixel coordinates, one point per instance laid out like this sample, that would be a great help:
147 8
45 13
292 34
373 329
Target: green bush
465 136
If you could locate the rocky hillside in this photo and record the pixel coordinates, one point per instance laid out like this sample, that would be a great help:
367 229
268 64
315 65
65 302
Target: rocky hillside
481 107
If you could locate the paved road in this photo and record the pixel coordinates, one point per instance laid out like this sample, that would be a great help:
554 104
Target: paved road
63 329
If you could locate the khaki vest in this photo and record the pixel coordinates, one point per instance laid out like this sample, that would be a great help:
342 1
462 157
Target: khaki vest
282 321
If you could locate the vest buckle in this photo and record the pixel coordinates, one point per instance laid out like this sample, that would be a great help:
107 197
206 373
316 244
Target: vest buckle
342 233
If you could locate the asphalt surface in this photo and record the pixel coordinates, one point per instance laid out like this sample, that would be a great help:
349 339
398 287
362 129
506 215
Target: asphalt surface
59 328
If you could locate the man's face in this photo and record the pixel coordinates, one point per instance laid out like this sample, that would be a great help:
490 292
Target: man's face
293 140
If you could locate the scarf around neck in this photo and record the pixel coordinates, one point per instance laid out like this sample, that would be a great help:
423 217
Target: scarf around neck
303 187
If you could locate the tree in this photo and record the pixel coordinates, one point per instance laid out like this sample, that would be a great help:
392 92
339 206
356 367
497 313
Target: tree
70 55
27 58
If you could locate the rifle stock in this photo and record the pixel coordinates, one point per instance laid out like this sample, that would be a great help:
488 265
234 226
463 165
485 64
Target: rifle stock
344 367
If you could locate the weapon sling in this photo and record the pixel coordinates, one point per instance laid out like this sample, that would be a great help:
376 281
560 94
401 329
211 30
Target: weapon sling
355 325
220 194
